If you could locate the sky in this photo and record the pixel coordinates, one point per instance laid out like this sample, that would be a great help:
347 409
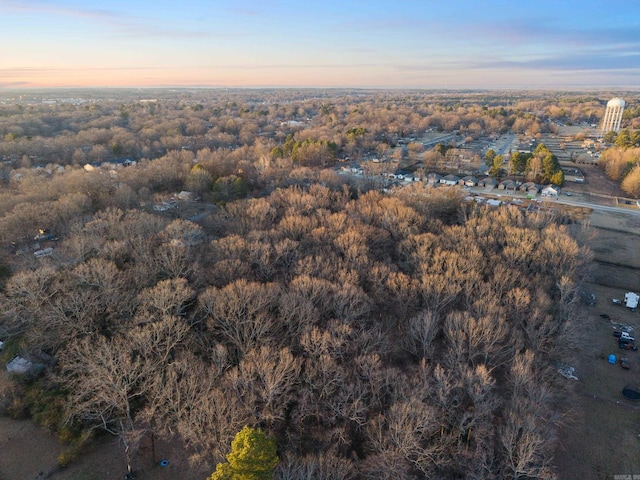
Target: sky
329 43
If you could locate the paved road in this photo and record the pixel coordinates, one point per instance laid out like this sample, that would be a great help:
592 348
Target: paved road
507 144
576 200
595 206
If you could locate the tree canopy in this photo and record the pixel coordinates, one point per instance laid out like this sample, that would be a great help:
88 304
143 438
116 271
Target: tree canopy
252 457
407 333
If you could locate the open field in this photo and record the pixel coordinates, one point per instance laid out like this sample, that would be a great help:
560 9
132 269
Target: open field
602 438
30 452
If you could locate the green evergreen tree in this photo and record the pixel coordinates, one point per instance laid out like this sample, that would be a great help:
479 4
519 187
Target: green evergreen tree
519 161
610 137
498 160
624 139
252 457
277 152
557 178
489 156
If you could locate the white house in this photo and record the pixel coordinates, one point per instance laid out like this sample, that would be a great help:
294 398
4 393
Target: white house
450 180
550 191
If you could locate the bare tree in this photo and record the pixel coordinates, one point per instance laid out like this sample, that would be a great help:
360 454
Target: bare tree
106 379
477 340
167 297
268 377
320 466
242 313
421 330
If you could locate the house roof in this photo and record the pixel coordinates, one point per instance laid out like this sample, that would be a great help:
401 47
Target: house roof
508 183
470 178
452 177
488 180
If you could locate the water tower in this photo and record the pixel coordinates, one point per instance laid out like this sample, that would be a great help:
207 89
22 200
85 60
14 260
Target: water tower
613 115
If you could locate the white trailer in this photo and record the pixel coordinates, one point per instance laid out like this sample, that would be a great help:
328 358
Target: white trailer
631 300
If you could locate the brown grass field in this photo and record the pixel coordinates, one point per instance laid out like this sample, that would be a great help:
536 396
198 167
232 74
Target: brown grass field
602 437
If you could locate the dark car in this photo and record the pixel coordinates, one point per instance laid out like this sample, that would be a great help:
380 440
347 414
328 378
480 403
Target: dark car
624 363
627 346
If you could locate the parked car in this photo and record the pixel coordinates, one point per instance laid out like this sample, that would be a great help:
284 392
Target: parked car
624 363
627 346
626 336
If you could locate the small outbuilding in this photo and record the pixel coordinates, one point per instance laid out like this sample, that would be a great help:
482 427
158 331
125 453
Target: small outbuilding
186 196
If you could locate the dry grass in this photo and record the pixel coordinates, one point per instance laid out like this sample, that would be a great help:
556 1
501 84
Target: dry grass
604 439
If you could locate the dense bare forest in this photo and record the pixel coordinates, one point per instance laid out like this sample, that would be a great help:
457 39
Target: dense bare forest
373 335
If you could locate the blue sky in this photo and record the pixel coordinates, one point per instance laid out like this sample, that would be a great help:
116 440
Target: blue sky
348 43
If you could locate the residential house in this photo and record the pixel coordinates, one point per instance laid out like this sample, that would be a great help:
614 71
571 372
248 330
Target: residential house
488 182
468 181
508 185
530 188
550 191
433 178
450 179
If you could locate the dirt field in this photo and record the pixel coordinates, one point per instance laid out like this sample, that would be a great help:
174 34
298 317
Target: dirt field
29 452
595 181
603 440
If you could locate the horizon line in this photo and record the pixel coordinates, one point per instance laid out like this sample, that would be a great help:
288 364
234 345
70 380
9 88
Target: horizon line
320 87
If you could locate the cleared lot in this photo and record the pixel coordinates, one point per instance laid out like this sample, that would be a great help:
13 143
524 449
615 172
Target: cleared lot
602 437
